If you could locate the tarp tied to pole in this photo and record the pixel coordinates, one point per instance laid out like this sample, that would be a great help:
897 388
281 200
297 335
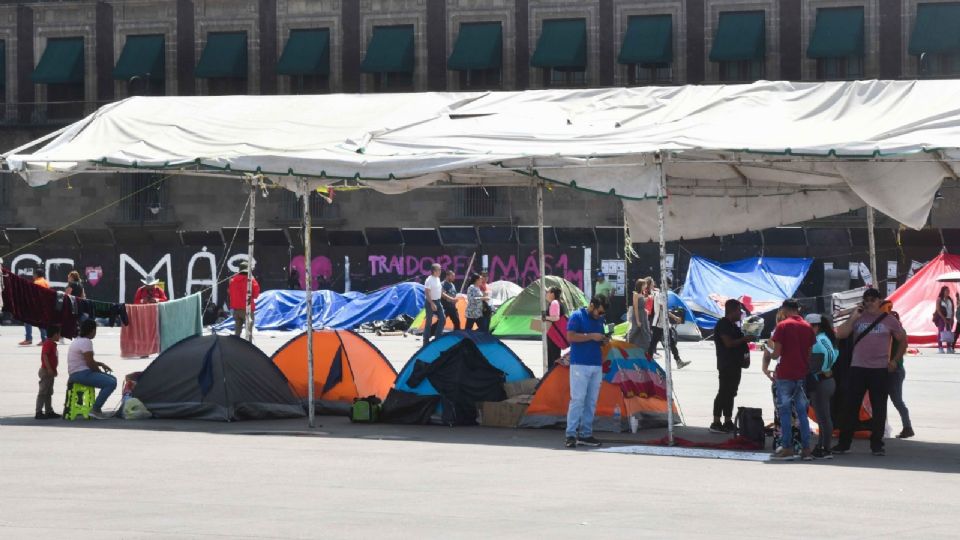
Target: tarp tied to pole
735 157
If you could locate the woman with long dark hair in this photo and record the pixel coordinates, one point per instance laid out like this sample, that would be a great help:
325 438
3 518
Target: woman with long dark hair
943 318
820 383
557 332
637 315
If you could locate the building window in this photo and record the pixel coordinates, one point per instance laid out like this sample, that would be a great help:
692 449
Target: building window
145 199
939 65
838 69
649 74
561 78
481 79
477 202
65 101
741 71
320 208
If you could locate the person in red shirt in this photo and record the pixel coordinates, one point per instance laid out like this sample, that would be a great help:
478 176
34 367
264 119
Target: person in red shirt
39 280
238 298
793 340
48 372
149 293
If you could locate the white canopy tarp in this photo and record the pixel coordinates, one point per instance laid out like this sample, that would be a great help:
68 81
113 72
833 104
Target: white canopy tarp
736 157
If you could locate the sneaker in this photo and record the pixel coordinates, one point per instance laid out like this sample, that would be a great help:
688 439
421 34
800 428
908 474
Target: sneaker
570 442
25 342
39 416
99 415
783 454
840 449
806 455
52 415
880 452
681 364
729 427
589 441
717 427
906 433
822 453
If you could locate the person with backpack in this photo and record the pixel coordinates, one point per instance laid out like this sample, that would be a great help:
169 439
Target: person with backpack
820 383
874 331
557 332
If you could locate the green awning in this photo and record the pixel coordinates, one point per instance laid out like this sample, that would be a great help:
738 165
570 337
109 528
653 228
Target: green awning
649 40
142 56
562 45
838 33
224 56
478 46
740 36
937 29
62 62
307 53
390 50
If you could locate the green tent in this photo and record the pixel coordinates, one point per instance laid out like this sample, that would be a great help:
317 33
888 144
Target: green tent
513 318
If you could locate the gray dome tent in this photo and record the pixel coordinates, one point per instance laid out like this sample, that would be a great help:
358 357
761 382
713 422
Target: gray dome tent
216 378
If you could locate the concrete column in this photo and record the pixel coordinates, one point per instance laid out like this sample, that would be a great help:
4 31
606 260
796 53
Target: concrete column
791 57
186 56
104 51
350 22
696 56
436 45
891 40
522 32
607 46
25 62
268 47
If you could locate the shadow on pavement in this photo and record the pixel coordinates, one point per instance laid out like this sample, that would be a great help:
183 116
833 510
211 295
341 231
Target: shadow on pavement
909 455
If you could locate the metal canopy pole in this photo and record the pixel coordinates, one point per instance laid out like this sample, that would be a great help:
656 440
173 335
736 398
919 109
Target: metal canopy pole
543 278
308 295
251 228
872 243
664 293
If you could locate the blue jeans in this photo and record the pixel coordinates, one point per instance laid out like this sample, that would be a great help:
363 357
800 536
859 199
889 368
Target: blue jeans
105 382
584 390
434 309
896 396
28 333
792 396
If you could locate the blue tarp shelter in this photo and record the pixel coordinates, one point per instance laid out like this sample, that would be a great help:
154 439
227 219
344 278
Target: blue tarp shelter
287 310
762 283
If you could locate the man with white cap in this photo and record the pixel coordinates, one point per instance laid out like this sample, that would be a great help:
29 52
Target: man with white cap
149 293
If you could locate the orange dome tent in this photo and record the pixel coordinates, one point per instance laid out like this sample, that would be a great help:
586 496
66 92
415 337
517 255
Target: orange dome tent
632 385
346 366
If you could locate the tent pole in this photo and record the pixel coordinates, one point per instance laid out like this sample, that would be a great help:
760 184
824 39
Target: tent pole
664 294
543 279
872 242
251 228
308 295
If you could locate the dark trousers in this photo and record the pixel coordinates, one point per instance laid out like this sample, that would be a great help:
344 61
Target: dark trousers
482 324
656 336
553 353
874 381
452 314
45 395
729 384
434 309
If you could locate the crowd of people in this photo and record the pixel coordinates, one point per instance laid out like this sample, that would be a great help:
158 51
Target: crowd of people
440 303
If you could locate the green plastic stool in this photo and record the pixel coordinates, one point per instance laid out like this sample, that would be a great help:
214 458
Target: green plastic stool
79 403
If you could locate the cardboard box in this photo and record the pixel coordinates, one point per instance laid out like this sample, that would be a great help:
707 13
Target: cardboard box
520 388
501 413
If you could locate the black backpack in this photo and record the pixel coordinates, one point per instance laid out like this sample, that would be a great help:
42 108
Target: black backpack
749 423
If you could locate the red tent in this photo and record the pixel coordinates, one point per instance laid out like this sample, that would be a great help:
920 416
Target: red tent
915 299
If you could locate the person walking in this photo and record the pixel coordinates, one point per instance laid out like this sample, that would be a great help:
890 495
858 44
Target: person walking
85 370
449 300
793 340
943 318
896 394
475 301
237 290
820 383
733 355
586 333
637 315
47 374
656 329
486 310
40 280
557 331
433 291
874 358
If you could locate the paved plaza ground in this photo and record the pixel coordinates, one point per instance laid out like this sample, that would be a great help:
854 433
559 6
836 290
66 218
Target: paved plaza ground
280 479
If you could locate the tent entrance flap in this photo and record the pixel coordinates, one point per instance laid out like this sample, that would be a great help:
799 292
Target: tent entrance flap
838 33
390 50
937 29
478 46
224 56
142 56
649 40
740 36
61 63
307 53
562 45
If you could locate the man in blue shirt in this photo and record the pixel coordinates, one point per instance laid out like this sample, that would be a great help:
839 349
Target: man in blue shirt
586 333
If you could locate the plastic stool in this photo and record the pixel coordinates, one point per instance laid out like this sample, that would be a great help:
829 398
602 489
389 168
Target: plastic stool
79 403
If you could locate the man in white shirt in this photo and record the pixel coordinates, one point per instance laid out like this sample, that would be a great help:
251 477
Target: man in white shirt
433 290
